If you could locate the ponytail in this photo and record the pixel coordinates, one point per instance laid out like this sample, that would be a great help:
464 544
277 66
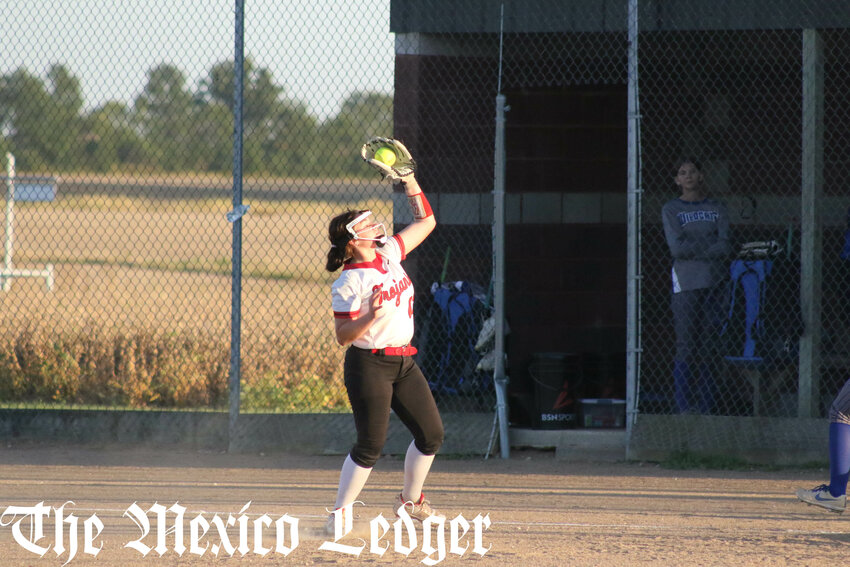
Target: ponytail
339 237
336 258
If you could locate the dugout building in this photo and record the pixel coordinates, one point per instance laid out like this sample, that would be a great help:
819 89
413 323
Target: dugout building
719 80
565 172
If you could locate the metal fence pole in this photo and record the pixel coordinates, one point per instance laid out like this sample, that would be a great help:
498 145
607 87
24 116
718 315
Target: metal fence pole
812 226
10 222
499 377
236 305
633 226
499 277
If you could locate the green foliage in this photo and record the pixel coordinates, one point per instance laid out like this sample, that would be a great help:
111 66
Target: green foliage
288 380
259 91
110 143
24 106
170 128
288 144
62 145
687 460
682 460
362 116
165 113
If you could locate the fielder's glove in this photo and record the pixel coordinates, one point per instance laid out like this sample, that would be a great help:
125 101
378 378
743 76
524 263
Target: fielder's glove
759 250
403 166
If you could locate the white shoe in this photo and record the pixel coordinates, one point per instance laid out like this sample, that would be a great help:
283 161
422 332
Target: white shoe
419 510
330 527
820 496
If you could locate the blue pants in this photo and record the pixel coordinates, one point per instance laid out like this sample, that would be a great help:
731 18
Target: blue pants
697 320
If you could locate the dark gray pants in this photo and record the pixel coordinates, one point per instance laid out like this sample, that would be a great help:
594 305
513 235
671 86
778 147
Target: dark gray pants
697 319
839 411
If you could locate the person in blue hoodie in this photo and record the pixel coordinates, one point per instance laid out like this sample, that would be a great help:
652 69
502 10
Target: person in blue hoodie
696 228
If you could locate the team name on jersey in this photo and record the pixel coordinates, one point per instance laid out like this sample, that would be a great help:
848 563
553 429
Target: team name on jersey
696 216
394 291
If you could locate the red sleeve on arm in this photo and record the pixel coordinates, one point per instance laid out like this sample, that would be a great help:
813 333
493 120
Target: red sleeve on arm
346 314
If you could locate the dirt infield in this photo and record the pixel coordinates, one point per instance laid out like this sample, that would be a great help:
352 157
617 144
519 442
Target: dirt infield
542 512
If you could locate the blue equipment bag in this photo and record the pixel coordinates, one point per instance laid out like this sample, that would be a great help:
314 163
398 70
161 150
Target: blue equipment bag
453 325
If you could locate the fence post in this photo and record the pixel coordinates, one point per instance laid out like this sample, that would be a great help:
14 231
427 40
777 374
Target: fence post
633 226
499 376
238 210
811 238
10 221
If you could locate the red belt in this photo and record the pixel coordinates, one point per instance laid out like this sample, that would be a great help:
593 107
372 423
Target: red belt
405 350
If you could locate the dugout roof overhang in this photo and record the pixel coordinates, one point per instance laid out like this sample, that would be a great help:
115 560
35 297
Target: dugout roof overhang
575 16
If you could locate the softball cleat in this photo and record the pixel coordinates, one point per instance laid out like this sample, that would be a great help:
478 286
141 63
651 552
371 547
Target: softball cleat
420 510
820 496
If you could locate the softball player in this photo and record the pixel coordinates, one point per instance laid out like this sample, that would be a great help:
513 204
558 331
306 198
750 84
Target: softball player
373 315
697 232
833 496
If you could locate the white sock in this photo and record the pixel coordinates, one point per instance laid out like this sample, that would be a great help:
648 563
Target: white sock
352 479
416 467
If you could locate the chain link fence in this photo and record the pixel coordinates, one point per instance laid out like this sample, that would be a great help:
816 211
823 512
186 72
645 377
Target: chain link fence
762 110
119 121
118 256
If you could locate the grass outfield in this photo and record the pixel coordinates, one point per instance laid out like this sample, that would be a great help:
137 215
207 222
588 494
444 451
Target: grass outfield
280 240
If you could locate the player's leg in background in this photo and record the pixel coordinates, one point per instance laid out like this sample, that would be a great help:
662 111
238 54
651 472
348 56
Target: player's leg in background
683 305
833 496
711 312
839 457
839 441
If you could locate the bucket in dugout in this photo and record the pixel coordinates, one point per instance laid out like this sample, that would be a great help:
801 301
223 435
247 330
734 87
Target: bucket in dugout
555 375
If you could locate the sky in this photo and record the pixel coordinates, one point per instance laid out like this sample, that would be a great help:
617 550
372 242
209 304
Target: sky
318 50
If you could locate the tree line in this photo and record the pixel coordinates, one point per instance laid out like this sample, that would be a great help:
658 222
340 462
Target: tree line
169 127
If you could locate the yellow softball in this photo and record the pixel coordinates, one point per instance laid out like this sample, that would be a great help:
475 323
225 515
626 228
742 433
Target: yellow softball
386 156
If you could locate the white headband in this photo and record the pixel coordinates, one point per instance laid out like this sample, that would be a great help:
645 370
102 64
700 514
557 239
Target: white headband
381 240
361 217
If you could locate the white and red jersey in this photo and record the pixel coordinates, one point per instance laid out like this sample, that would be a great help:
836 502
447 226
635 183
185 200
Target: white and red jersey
354 287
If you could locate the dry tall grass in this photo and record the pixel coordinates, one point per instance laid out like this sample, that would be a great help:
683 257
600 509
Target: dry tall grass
145 369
